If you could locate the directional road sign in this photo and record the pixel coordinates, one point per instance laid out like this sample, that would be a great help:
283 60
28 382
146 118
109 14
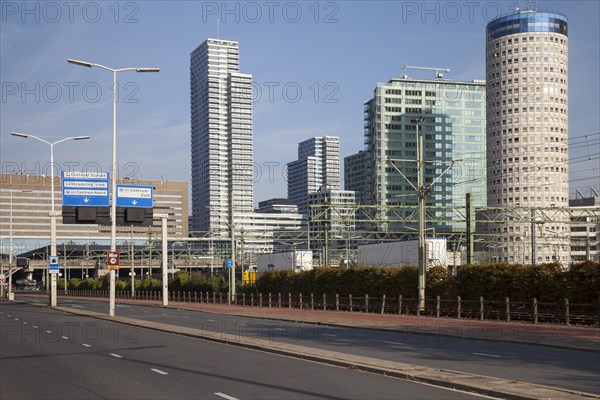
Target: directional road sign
85 189
134 196
53 262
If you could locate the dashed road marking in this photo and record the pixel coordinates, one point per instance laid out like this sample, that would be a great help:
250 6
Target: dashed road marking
116 355
64 337
396 343
328 334
158 371
487 355
86 345
48 331
185 316
226 396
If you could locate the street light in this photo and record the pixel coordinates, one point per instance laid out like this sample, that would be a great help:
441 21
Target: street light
113 212
53 213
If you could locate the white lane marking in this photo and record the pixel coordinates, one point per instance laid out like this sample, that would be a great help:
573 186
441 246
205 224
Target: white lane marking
24 322
116 355
279 329
158 371
487 355
328 334
48 331
86 345
35 327
9 316
16 319
164 314
77 306
242 324
185 316
226 396
64 337
208 320
398 343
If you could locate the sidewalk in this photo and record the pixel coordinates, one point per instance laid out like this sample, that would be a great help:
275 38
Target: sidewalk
560 336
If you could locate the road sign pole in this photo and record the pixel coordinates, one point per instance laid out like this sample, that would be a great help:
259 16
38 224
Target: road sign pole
165 266
53 301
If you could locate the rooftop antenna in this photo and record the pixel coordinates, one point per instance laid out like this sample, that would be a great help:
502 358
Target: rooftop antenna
438 71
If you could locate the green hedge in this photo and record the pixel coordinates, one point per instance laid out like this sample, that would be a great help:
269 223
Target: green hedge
546 282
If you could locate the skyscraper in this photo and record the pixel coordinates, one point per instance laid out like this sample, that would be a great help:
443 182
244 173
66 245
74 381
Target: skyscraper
318 165
453 131
221 121
527 132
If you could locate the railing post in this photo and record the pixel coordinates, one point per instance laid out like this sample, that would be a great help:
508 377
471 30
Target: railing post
260 299
366 303
535 311
324 301
383 304
350 302
269 299
458 307
279 300
214 296
195 296
507 300
481 308
312 301
437 306
251 299
399 304
337 302
300 301
289 300
567 316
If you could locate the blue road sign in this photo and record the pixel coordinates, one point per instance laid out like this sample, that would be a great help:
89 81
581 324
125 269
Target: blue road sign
85 189
53 262
134 196
229 263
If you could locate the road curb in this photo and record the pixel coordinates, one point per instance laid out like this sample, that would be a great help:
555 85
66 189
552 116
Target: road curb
478 384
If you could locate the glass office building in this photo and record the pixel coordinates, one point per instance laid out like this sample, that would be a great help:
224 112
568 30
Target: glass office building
453 131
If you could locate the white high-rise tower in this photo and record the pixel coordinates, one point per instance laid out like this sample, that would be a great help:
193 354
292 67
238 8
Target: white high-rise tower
527 136
221 113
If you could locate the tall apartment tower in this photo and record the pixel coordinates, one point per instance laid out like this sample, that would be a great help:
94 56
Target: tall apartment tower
527 132
453 131
317 166
221 113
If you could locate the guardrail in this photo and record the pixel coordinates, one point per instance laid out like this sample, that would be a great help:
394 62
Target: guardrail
564 313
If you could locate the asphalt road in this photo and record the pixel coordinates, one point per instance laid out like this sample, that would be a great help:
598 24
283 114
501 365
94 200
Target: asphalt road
562 368
46 354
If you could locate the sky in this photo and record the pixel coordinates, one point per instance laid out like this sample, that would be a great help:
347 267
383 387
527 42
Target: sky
314 64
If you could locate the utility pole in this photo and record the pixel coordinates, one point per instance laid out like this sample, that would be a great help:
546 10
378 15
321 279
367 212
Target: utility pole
232 269
421 205
533 237
470 228
326 230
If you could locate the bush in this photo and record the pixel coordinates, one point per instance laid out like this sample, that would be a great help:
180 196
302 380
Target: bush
546 282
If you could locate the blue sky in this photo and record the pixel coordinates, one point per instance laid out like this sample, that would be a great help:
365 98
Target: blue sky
321 59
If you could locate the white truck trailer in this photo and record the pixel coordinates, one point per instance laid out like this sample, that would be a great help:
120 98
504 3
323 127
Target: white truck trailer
402 253
297 261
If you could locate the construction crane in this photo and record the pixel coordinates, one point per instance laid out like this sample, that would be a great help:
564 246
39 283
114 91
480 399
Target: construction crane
438 71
